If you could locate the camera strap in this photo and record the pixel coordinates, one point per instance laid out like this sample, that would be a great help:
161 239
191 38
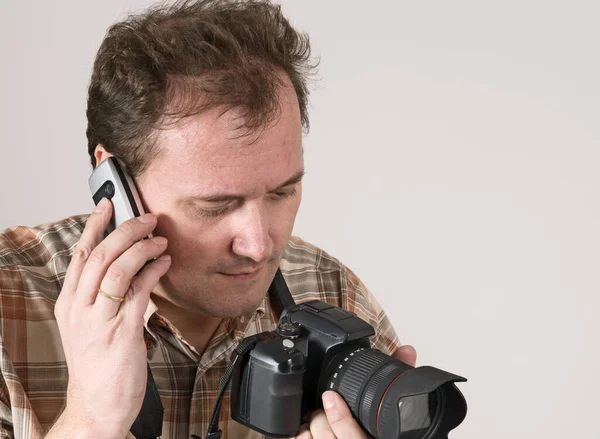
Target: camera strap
148 424
213 428
279 296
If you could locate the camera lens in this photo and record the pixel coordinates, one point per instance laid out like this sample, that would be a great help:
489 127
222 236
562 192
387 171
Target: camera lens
416 413
109 189
392 400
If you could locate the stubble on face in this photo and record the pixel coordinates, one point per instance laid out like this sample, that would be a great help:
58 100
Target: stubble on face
205 156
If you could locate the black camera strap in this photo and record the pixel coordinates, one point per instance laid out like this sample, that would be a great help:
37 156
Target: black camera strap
213 428
148 424
279 295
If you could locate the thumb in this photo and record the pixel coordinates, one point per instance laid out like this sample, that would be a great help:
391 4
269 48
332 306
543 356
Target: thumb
340 418
407 354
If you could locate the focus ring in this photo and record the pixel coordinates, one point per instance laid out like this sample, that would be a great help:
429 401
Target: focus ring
367 401
353 375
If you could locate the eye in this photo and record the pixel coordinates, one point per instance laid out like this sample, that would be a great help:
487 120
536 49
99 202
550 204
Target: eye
213 212
280 195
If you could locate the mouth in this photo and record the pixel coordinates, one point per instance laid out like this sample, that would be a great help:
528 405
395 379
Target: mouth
242 275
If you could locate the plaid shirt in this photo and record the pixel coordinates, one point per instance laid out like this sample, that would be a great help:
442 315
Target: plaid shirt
34 376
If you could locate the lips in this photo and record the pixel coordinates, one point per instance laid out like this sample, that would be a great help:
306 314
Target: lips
242 275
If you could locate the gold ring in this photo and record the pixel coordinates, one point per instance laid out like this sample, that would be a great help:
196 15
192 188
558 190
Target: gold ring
111 297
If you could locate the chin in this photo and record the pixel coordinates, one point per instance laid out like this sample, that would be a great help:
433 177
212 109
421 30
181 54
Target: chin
231 300
228 307
236 298
218 296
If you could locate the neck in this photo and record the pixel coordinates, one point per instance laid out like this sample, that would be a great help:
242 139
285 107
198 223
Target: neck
195 328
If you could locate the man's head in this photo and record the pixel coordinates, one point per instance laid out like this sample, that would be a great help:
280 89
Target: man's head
204 103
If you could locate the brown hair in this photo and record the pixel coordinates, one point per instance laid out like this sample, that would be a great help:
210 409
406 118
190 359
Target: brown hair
178 60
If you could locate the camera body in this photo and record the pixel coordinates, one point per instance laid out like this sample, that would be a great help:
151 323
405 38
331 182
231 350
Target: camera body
278 383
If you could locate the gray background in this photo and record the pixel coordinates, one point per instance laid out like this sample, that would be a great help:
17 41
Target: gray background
452 164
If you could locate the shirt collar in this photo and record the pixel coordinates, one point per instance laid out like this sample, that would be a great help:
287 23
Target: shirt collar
237 325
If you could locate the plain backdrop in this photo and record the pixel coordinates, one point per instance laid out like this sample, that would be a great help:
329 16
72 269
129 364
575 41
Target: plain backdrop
452 164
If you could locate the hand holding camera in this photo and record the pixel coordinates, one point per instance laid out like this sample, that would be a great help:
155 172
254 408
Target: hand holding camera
336 420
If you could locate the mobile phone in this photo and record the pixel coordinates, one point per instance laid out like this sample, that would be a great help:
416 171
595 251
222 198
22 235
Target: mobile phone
111 180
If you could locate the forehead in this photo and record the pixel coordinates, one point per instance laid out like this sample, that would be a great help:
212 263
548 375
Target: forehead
208 153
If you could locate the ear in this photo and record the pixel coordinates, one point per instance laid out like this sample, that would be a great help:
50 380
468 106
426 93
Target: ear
101 154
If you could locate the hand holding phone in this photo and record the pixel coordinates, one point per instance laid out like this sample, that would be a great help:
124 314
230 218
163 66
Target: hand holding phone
100 316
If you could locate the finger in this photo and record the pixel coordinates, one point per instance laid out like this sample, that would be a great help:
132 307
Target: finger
339 417
407 354
304 434
121 272
105 253
137 298
319 426
90 238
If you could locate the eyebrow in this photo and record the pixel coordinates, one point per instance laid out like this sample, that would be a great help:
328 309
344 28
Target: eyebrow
296 178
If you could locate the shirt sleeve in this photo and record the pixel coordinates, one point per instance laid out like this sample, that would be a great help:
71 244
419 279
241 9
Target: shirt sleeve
6 427
358 299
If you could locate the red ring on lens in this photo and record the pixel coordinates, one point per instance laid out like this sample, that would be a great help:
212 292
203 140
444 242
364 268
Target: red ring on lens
381 402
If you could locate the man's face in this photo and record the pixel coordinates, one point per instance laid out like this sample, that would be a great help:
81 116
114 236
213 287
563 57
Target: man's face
227 205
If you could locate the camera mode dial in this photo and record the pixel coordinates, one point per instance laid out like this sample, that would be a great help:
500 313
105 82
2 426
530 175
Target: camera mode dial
289 330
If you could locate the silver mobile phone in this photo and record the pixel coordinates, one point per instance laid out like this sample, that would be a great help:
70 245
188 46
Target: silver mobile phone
110 180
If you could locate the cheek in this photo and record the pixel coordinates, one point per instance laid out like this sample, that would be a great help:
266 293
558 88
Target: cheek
193 240
200 241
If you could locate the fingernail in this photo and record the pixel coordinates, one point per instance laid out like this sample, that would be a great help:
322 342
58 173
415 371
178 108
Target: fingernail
101 205
165 258
146 218
328 400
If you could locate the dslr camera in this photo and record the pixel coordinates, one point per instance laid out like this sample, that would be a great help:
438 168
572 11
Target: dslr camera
278 378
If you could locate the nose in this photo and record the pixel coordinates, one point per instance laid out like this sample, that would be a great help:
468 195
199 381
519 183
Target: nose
252 239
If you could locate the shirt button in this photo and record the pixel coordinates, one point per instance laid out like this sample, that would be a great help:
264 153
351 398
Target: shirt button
149 344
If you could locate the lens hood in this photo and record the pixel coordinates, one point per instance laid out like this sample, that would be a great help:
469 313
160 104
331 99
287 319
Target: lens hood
450 405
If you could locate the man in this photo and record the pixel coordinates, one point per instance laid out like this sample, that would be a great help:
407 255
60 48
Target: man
204 103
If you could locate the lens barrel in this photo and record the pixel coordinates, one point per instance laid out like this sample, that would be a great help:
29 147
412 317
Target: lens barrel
392 400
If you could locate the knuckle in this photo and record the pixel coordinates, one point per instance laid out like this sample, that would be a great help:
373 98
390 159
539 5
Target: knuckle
81 254
128 227
115 273
98 255
142 246
336 420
